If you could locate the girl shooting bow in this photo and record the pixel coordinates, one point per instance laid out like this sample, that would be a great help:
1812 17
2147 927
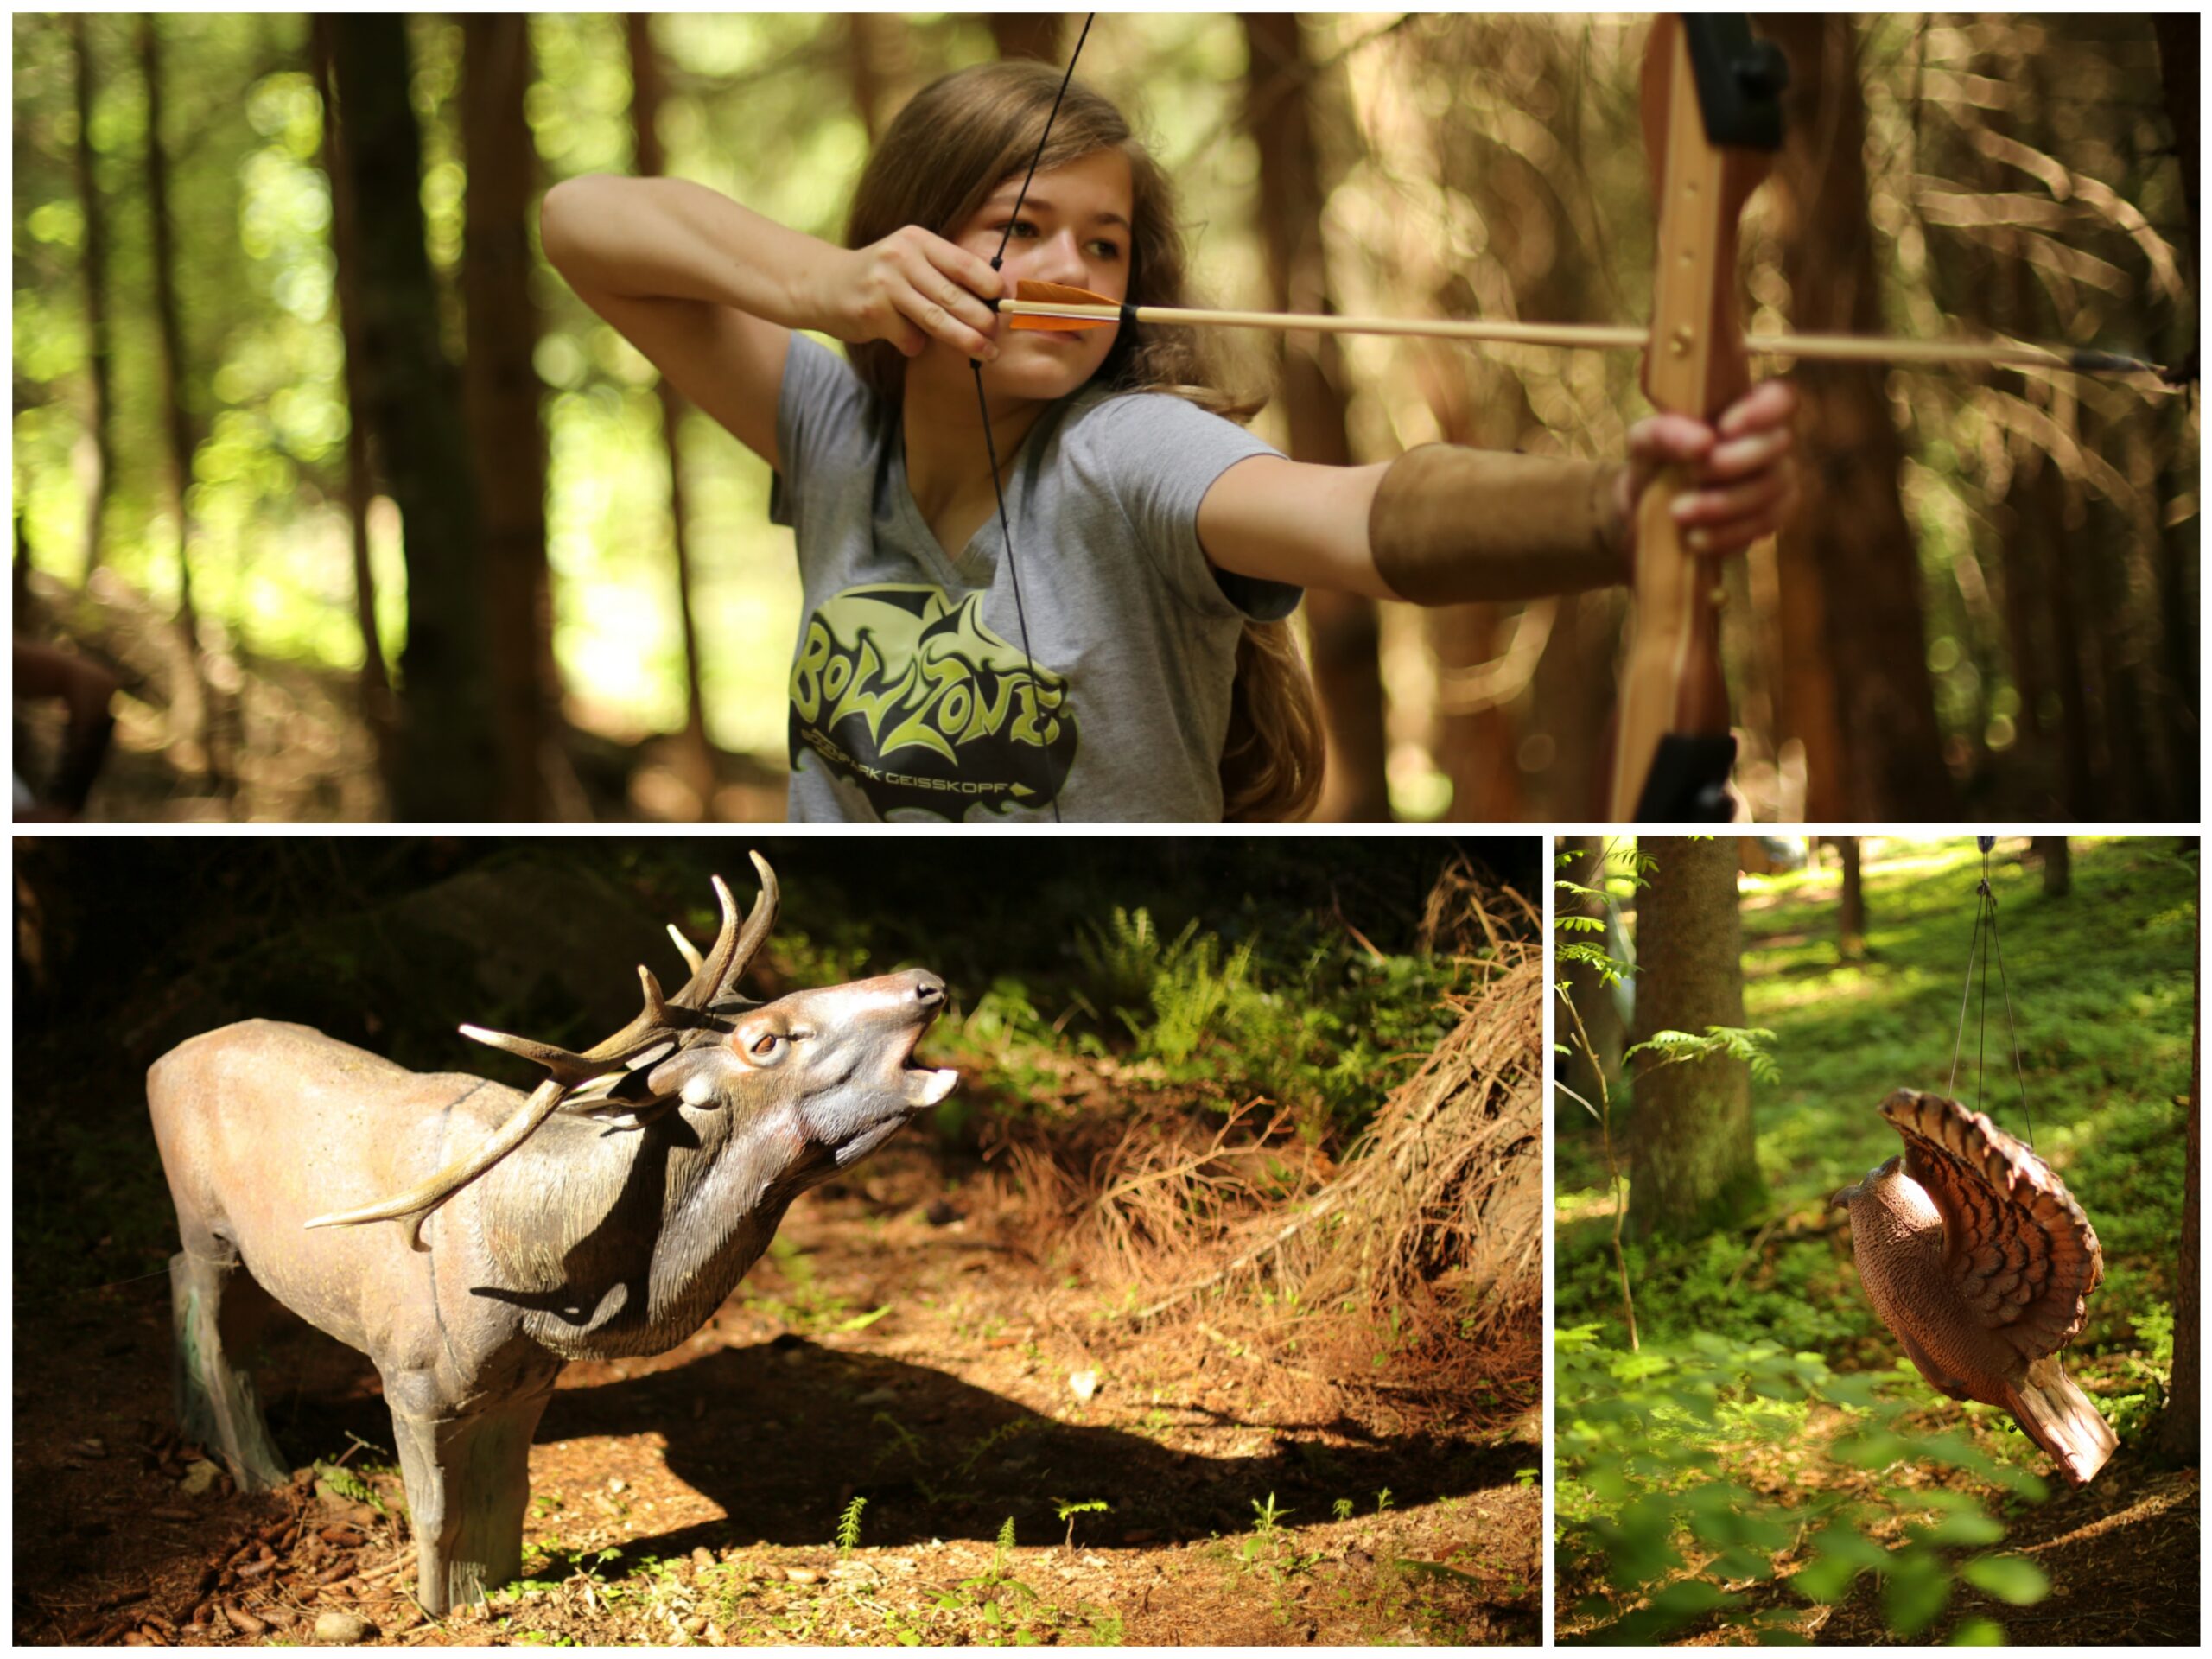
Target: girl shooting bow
1143 671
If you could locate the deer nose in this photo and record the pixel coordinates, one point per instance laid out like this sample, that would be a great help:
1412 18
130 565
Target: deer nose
929 990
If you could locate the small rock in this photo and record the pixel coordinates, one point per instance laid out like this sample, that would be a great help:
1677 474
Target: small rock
1082 1385
802 1575
617 1484
696 1625
1358 1557
94 1448
883 1396
702 1557
198 1478
342 1628
941 1213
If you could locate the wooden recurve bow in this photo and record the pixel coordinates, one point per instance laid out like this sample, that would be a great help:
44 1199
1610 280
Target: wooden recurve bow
1712 122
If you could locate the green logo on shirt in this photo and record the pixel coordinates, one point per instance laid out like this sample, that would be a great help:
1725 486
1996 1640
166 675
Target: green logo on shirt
921 705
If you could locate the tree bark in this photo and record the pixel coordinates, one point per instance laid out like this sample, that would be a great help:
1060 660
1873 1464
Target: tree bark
447 768
378 712
2180 1433
505 420
1851 537
98 327
1694 1167
1851 913
2057 865
1344 629
1597 1011
694 756
1028 34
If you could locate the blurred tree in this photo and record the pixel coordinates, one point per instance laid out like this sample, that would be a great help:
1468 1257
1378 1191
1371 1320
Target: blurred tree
1850 911
694 758
378 713
2180 1426
93 271
2057 865
177 425
1854 662
1693 1169
1595 1003
505 424
1037 34
447 766
1343 629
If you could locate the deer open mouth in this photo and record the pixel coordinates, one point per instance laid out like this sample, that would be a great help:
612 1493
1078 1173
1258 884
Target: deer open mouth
924 1086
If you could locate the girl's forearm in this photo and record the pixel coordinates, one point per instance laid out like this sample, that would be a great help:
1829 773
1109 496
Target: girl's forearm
669 238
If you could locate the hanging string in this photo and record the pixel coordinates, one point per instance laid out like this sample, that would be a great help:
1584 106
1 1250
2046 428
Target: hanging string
1984 917
990 447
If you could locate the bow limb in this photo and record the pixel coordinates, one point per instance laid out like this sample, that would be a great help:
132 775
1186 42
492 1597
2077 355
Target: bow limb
1711 118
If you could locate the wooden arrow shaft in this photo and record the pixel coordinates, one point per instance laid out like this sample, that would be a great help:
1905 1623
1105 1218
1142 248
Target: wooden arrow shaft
1832 348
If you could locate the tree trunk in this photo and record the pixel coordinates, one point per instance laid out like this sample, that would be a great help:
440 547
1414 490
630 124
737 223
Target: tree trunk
1028 34
506 422
1694 1168
2180 1434
1344 628
2057 865
98 330
695 756
378 712
1597 1011
447 767
1851 537
1851 913
198 718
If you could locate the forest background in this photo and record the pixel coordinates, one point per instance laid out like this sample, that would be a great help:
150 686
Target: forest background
1742 1443
247 349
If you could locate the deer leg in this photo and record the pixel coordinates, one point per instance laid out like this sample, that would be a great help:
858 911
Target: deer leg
467 1487
215 1401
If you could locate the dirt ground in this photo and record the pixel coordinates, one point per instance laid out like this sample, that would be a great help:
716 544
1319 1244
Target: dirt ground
696 1498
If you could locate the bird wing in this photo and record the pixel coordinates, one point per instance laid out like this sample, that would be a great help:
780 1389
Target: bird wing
2022 1254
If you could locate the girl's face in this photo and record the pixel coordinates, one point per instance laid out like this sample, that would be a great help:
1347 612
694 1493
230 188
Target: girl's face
1073 229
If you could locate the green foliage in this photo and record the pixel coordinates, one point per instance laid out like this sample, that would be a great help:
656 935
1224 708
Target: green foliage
1647 1442
848 1526
1322 1032
1750 1046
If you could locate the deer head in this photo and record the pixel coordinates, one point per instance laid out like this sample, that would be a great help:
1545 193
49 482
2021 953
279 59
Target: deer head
707 1046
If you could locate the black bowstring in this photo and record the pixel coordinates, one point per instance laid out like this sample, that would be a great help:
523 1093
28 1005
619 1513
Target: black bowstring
990 447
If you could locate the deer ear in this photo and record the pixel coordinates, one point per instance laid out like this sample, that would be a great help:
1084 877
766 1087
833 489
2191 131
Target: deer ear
694 1076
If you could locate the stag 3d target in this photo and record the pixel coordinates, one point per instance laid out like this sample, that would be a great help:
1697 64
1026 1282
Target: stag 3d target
606 1214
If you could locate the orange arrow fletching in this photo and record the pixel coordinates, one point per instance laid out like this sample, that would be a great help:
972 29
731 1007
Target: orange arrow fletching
1059 294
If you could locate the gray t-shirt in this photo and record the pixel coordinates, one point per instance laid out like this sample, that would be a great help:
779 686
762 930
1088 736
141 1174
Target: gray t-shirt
912 699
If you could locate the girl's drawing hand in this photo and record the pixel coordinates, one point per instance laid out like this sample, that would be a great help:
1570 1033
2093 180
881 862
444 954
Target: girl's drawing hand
1745 477
912 288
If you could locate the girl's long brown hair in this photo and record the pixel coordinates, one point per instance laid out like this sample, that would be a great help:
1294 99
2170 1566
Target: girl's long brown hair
954 143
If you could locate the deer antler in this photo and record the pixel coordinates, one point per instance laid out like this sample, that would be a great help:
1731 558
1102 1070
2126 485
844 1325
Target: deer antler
665 1024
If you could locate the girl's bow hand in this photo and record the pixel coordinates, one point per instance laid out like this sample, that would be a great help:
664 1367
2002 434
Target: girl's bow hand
1744 479
911 288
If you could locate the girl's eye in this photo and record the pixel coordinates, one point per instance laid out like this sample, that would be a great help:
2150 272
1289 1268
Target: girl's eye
1105 249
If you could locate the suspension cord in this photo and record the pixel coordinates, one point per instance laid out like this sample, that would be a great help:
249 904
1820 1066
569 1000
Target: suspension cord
990 447
1985 917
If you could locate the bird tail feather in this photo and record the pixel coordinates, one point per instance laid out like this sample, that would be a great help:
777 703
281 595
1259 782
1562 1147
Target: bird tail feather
2063 1421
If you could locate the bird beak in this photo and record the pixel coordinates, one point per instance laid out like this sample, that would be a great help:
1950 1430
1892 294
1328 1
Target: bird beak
1840 1199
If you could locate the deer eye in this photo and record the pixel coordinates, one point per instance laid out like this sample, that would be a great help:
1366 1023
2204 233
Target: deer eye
766 1045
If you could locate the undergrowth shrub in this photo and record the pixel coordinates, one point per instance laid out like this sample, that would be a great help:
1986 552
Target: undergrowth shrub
1657 1447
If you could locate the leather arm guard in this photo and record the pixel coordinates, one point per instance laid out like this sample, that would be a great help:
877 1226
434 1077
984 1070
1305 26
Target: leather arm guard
1455 526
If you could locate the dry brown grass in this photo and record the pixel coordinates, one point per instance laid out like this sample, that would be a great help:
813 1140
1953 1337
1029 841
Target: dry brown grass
1411 1268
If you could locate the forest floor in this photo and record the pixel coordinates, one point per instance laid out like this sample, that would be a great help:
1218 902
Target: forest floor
897 1346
